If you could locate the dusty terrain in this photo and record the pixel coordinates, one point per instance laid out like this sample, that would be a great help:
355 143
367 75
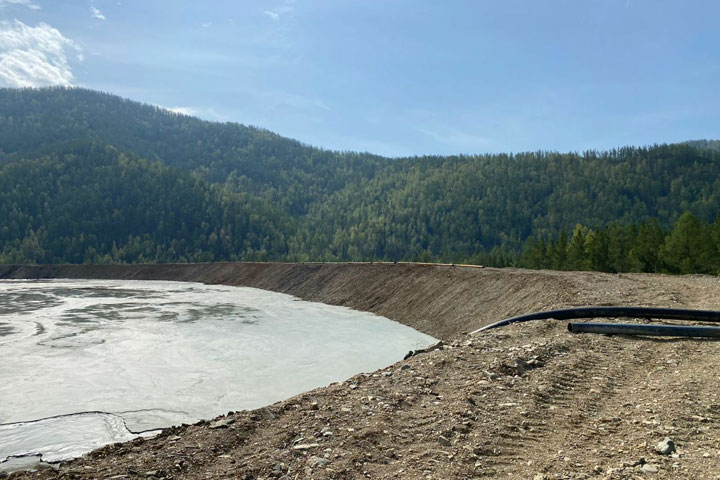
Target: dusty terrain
527 401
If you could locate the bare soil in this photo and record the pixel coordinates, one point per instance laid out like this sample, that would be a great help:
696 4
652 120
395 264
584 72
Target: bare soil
528 401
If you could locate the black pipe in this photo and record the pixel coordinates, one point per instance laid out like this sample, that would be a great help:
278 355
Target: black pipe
597 312
641 329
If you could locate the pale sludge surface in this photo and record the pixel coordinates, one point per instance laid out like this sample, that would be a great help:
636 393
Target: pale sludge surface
87 363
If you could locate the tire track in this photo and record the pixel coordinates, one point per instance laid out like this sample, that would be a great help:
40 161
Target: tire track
565 393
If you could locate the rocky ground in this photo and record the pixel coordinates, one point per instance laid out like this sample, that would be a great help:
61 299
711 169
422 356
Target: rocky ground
528 401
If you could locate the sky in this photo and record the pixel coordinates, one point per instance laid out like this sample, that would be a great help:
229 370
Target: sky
392 77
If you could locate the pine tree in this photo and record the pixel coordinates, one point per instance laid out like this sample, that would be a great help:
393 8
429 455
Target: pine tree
689 248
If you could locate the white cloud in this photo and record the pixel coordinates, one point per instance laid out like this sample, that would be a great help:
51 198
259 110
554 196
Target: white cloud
97 13
189 111
206 25
34 56
272 14
26 3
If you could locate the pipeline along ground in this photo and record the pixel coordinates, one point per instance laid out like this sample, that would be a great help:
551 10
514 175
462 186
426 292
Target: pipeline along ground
528 401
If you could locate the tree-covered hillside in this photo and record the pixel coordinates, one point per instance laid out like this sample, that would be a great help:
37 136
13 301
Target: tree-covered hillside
456 207
87 176
38 121
93 203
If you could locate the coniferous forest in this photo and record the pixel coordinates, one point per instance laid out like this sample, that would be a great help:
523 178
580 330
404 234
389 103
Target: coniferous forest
90 177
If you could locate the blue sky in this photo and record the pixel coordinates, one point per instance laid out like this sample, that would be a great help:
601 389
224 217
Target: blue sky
393 77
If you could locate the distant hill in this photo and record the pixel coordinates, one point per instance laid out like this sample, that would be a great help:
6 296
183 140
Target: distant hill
82 170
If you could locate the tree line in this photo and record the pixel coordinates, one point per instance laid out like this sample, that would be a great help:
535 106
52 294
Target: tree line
691 246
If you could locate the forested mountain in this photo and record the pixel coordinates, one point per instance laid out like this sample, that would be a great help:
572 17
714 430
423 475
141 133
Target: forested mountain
94 203
87 176
456 207
253 160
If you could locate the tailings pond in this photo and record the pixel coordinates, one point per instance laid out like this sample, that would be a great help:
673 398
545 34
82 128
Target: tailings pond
87 363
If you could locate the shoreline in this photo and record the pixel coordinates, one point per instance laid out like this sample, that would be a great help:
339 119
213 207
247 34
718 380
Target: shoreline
441 300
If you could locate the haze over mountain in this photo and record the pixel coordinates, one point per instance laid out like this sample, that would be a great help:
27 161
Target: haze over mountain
88 176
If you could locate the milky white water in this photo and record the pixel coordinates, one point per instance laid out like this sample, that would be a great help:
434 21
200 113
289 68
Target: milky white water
87 363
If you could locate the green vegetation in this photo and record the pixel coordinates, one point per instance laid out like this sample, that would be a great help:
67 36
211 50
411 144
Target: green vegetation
692 246
706 144
90 177
96 204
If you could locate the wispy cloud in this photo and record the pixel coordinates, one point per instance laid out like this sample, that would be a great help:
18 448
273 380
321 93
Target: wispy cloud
292 101
26 3
206 25
97 13
205 113
280 11
34 56
456 138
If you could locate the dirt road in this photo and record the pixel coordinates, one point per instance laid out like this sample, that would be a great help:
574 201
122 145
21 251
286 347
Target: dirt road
527 401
